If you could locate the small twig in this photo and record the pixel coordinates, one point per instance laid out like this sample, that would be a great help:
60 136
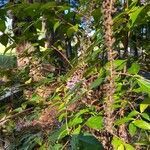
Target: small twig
3 121
126 74
62 55
65 145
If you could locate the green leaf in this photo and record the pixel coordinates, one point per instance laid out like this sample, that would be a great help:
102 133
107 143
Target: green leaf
38 140
62 134
4 39
144 85
75 121
96 13
81 112
132 129
135 13
129 147
134 69
119 64
144 104
143 107
95 122
121 147
89 142
96 82
123 120
48 5
72 30
56 25
77 130
9 48
133 113
57 147
8 62
74 142
2 25
142 124
145 116
116 142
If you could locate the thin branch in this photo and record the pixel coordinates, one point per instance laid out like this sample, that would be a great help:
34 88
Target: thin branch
3 121
65 58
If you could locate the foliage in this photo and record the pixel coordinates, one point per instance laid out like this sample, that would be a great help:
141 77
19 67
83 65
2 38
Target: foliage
63 68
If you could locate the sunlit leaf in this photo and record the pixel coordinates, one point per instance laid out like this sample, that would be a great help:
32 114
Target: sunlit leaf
72 30
145 103
75 121
142 124
121 147
56 25
145 116
134 69
135 14
95 122
77 130
123 120
144 85
116 142
119 64
28 81
133 113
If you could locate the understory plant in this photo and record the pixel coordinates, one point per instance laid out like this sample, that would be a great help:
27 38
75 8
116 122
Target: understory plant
82 75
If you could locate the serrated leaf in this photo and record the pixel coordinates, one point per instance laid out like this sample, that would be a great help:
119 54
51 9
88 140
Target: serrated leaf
95 122
141 124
